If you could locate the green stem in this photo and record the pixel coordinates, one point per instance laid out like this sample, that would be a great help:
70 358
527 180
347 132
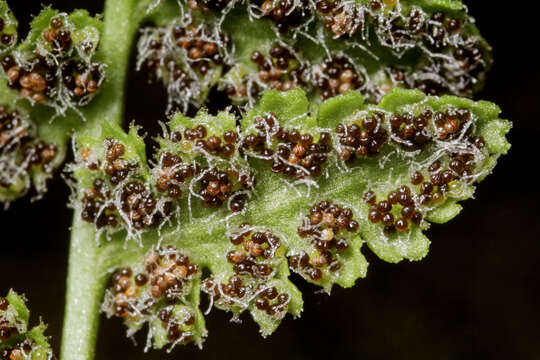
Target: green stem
85 282
120 25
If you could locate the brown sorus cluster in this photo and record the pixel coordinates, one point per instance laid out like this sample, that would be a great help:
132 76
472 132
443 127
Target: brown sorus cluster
166 273
19 351
38 80
80 78
225 294
217 186
335 76
324 226
92 206
202 54
232 293
340 20
172 174
6 327
296 155
460 167
207 6
272 302
137 203
281 70
169 272
58 36
4 304
401 201
410 131
116 167
177 330
344 20
469 54
363 139
14 131
5 39
18 146
432 189
436 32
32 83
450 124
39 154
215 145
252 249
176 73
285 13
126 291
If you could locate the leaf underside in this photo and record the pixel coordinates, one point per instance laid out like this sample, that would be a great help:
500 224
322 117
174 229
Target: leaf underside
239 212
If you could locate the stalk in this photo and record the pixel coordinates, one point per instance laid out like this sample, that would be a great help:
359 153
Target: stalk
85 283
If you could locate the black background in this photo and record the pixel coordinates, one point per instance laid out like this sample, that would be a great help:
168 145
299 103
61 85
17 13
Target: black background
475 296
